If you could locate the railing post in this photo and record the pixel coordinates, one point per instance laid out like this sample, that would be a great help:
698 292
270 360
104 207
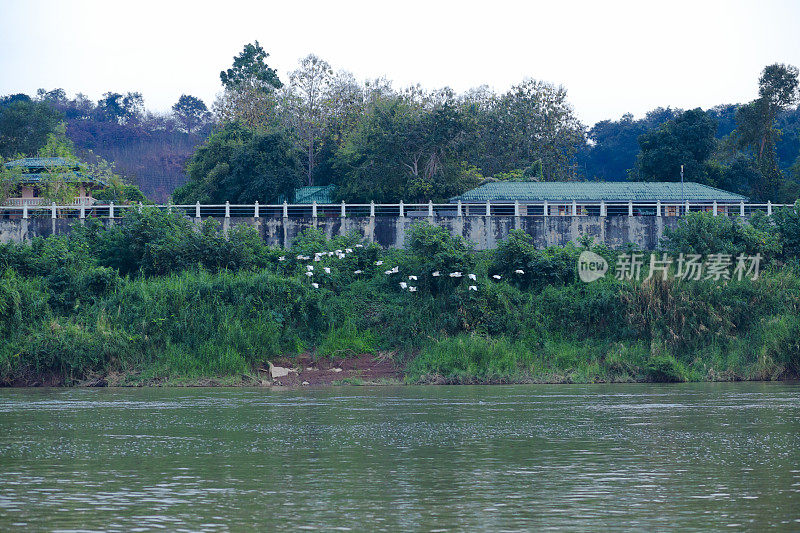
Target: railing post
516 208
53 210
402 210
459 212
256 213
741 208
111 210
715 208
769 208
603 208
546 209
140 207
630 208
227 209
83 210
25 210
574 208
430 208
488 208
372 208
197 210
169 206
285 209
314 209
343 210
686 212
658 208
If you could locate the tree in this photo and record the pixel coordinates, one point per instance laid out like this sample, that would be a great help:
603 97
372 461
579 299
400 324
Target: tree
309 87
25 125
532 121
249 90
686 140
402 151
191 112
756 123
240 165
115 107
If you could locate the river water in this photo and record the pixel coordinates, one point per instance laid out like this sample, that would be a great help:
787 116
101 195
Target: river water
615 457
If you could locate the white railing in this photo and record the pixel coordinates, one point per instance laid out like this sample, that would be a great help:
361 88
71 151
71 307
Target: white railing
82 209
81 200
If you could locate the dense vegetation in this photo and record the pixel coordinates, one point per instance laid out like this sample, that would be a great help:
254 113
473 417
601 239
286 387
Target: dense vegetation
154 300
267 134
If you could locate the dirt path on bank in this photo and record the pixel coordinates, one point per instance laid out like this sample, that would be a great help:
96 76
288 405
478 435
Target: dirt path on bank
308 371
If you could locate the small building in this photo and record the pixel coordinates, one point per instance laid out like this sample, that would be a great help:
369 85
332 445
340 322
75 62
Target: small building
31 173
597 198
322 194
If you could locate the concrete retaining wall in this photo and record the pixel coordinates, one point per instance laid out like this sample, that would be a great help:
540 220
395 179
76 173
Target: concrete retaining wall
485 232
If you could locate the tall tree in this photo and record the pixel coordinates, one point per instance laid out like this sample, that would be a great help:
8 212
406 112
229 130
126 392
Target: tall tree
191 112
309 90
249 90
25 125
686 140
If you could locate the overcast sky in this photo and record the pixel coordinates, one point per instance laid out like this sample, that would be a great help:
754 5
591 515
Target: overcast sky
612 56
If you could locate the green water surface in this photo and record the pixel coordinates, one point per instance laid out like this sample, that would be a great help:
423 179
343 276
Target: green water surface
613 457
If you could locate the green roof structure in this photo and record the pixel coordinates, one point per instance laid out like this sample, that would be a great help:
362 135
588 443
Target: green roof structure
322 194
593 191
37 169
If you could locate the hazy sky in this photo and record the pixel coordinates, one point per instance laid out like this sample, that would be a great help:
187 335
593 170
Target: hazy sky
612 56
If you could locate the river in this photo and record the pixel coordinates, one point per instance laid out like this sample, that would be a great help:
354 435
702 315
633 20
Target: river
436 458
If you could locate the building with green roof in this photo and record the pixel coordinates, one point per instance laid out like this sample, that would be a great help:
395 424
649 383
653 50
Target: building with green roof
322 194
31 173
591 197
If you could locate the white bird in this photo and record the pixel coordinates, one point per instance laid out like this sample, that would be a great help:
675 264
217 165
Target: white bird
473 288
379 263
338 252
299 257
309 274
348 250
395 270
358 272
282 258
316 258
330 254
413 277
455 274
359 245
412 289
497 276
436 274
518 271
327 270
315 285
309 267
403 284
472 277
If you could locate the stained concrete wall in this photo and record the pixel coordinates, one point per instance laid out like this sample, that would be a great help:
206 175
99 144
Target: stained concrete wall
391 232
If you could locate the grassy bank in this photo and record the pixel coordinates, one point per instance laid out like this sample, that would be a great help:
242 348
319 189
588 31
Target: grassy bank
153 301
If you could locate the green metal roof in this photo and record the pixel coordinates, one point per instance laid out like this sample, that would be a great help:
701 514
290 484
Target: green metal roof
33 164
592 191
37 169
309 195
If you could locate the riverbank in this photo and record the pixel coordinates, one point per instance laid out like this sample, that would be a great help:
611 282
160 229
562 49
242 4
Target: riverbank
152 302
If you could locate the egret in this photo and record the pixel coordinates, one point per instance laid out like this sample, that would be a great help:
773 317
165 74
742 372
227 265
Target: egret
359 245
348 250
315 285
473 288
413 277
473 277
412 289
497 276
316 258
379 263
455 274
436 274
327 270
309 267
338 252
309 274
403 284
282 258
358 272
518 271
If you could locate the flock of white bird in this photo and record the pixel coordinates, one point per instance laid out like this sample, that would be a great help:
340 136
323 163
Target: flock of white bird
404 285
